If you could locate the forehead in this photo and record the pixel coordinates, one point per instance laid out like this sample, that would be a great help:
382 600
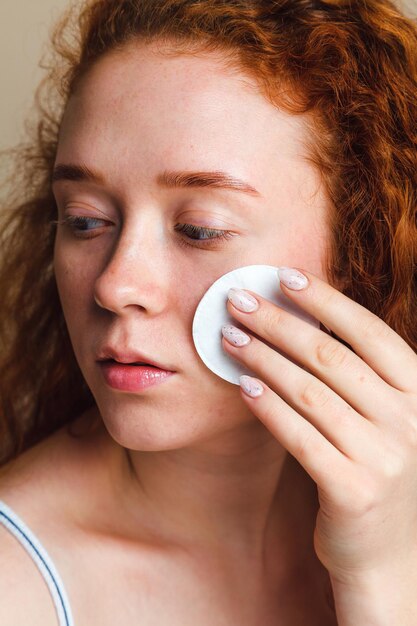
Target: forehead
138 106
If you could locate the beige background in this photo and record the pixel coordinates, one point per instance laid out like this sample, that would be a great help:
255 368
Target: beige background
24 27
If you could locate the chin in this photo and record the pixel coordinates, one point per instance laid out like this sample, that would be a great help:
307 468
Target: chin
135 423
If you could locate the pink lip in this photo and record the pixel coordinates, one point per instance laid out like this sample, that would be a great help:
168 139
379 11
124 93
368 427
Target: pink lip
129 356
132 377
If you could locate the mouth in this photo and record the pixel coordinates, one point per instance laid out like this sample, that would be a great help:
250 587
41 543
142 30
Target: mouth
132 376
137 363
128 356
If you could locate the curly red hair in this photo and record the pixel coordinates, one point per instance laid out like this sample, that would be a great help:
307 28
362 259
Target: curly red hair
350 65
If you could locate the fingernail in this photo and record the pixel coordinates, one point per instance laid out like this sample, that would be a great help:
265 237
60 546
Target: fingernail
242 300
250 386
291 278
235 336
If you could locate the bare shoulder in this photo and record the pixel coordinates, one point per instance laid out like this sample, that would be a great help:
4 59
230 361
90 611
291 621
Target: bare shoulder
46 485
43 487
25 598
41 475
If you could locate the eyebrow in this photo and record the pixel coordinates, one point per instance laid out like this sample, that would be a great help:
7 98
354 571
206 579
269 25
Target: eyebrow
170 179
75 172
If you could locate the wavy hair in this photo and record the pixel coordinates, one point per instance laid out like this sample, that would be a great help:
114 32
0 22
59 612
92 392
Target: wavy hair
350 64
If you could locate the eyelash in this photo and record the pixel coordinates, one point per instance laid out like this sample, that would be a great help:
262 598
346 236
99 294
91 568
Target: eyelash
212 234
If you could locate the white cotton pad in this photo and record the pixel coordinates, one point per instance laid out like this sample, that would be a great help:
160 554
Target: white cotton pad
211 314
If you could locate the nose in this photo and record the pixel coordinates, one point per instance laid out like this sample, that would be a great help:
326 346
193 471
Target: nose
135 276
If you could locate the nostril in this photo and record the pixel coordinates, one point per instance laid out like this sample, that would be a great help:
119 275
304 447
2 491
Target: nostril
97 301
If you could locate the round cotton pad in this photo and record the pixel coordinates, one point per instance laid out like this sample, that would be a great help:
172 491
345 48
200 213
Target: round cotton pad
211 314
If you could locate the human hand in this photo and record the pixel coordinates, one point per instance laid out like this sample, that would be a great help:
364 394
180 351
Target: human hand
350 420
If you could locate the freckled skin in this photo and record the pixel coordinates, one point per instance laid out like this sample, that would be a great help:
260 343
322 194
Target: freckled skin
135 114
208 469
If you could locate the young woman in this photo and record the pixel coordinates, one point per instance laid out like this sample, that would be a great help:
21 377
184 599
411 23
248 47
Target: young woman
178 140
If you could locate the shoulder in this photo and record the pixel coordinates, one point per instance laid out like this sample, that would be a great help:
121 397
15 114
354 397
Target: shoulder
25 599
49 485
45 473
46 488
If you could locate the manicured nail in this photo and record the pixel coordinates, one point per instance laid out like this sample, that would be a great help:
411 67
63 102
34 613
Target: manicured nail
235 336
291 278
242 300
250 386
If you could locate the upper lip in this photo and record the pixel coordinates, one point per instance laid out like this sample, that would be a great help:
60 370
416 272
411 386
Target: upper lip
129 356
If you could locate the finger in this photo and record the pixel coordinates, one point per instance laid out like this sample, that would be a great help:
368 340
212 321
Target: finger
370 337
326 358
336 420
321 460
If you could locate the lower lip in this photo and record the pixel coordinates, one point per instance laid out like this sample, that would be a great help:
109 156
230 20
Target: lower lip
133 377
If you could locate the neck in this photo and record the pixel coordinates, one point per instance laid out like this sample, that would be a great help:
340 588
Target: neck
241 495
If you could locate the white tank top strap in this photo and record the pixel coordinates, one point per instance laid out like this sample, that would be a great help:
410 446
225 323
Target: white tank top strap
33 546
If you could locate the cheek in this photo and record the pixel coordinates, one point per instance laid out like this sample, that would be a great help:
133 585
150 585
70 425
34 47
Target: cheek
74 283
307 250
288 247
302 246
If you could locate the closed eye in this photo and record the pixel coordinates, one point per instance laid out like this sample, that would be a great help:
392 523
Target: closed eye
198 233
81 226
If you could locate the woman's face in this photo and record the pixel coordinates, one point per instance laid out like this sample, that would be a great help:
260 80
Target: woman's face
136 281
